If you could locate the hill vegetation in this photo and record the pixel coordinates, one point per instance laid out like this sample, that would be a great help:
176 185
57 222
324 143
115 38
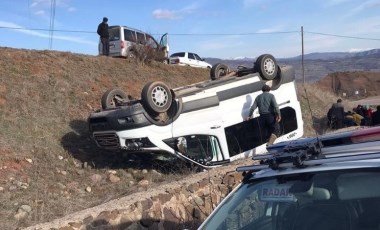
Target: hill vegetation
49 166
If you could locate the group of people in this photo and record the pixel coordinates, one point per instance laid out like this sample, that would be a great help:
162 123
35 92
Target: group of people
359 116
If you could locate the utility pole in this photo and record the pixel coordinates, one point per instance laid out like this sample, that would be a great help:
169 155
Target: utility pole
303 69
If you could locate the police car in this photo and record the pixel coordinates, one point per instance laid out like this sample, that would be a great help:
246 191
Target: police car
203 123
326 182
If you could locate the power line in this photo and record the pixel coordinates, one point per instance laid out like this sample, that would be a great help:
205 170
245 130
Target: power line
37 29
196 34
232 34
342 36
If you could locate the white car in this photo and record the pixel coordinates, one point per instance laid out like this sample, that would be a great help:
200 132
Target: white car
188 59
319 183
203 123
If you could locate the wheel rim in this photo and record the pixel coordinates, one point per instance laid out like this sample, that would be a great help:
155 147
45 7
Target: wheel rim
131 54
269 66
221 72
159 96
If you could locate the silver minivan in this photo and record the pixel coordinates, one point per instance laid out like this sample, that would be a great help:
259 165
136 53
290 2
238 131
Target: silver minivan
125 41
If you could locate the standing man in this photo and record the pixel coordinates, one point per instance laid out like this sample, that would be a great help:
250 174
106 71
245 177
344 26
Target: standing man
104 36
269 114
337 114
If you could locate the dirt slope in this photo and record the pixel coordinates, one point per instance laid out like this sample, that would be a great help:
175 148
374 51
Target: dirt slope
49 166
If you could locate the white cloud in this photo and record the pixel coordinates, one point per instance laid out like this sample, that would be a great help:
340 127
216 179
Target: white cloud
274 29
71 9
369 4
247 4
355 50
331 3
24 30
165 14
366 26
39 12
174 14
43 5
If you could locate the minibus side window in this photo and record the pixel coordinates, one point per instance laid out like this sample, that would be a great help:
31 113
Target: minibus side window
129 35
114 34
140 38
247 135
151 42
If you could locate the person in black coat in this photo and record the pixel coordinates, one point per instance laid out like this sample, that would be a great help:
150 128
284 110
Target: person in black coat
337 114
376 116
104 36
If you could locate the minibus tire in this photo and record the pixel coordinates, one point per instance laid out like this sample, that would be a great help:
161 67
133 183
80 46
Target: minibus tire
132 54
109 99
218 70
156 97
261 66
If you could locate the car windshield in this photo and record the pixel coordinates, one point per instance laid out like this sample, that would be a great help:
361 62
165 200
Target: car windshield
323 200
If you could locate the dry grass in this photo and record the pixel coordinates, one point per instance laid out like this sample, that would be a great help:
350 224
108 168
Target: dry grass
45 99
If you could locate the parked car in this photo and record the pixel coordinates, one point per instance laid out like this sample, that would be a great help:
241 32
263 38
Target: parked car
203 123
325 182
129 42
188 59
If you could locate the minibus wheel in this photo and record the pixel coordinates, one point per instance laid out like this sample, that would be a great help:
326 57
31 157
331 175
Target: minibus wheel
113 98
156 97
218 70
266 65
132 54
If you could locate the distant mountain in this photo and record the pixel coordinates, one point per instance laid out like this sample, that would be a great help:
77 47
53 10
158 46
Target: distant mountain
338 55
319 65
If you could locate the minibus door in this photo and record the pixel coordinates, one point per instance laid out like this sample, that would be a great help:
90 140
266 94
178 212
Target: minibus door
164 44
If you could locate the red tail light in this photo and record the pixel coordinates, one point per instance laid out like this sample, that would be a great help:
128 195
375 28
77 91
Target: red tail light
122 45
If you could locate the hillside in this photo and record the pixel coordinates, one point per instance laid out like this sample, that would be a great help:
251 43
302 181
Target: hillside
49 166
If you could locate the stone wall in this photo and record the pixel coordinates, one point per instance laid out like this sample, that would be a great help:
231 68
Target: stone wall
182 206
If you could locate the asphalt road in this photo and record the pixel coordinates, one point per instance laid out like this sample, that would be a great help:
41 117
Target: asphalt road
369 101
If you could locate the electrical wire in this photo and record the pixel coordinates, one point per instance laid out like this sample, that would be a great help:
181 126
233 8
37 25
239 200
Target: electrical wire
192 34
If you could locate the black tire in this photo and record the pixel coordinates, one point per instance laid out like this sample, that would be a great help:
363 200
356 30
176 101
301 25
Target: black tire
266 65
156 97
132 54
112 98
218 70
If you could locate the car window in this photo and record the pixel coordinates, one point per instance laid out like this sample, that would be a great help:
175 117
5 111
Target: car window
244 136
197 57
129 35
151 42
114 34
180 54
140 38
341 199
199 147
191 56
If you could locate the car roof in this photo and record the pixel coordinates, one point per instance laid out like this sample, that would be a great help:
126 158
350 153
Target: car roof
370 163
353 149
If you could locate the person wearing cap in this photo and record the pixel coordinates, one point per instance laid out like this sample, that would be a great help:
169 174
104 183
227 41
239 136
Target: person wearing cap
270 115
104 36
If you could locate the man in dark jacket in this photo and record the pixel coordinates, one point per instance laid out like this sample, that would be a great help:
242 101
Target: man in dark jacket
337 114
376 116
269 114
104 36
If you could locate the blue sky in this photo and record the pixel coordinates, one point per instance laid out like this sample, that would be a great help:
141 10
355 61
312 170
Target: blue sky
211 28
